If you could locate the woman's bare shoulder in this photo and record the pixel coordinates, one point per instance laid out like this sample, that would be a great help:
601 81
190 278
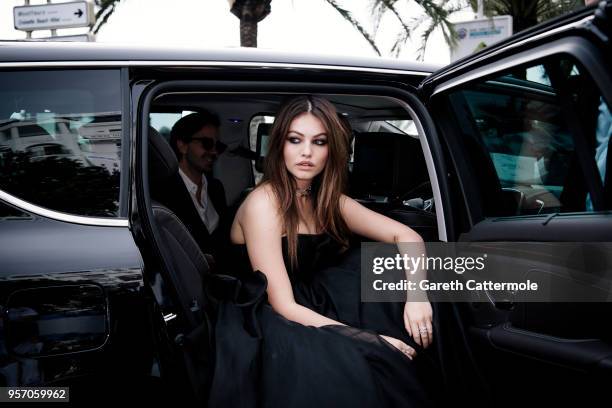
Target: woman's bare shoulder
261 198
261 202
258 208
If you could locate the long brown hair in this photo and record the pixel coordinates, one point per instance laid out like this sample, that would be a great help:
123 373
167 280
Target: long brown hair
327 186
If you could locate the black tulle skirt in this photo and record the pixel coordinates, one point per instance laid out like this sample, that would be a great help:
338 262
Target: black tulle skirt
265 360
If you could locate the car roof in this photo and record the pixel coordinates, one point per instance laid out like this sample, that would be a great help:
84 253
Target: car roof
43 51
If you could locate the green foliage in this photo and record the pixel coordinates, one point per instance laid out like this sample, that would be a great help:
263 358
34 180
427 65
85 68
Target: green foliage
436 14
348 16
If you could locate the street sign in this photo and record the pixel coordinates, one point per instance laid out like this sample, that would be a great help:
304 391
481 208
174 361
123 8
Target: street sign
80 37
52 16
474 35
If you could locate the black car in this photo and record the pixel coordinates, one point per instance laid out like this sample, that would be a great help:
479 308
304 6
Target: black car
97 294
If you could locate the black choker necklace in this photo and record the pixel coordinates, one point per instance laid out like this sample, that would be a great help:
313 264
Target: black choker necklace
303 192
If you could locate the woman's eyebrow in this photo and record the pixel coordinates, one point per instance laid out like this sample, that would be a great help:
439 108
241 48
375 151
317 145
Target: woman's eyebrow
301 134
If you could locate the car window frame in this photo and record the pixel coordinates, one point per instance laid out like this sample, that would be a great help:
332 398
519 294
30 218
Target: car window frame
577 47
121 219
404 95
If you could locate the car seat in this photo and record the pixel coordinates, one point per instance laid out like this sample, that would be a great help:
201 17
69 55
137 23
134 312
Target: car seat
391 166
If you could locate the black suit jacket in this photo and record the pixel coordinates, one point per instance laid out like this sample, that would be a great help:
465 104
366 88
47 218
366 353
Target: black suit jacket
178 199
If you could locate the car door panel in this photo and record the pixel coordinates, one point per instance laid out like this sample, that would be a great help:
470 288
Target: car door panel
548 349
51 265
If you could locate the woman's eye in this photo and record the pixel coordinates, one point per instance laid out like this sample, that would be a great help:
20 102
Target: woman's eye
294 140
320 142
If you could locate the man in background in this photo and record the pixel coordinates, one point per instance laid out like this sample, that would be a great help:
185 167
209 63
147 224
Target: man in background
194 139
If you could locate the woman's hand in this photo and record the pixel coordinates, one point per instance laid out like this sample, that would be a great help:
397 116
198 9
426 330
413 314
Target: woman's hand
417 319
401 346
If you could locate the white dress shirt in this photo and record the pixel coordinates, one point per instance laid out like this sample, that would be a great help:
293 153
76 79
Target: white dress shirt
205 207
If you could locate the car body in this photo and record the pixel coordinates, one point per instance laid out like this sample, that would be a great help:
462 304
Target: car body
86 296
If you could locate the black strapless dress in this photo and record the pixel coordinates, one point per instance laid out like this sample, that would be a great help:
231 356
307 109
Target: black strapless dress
265 360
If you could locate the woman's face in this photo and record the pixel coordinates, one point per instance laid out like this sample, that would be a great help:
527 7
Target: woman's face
306 149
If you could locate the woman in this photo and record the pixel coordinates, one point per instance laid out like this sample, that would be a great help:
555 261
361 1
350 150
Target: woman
313 342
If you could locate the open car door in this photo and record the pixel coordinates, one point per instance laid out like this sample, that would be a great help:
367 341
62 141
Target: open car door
527 126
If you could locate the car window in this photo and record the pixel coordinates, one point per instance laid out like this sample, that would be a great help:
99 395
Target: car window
163 121
403 126
254 126
60 139
526 124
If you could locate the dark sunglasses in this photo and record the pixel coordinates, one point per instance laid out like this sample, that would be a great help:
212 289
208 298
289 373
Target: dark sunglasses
208 143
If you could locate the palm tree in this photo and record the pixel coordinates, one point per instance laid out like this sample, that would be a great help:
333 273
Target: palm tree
251 12
527 13
435 15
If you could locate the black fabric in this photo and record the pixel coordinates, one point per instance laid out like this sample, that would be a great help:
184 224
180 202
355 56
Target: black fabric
263 359
167 187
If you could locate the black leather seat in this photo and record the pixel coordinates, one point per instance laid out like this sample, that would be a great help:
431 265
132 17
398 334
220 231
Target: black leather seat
390 165
186 265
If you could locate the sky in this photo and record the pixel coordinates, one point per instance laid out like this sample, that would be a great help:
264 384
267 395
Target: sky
310 26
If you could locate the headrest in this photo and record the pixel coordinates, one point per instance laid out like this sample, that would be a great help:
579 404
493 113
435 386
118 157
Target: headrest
386 162
163 164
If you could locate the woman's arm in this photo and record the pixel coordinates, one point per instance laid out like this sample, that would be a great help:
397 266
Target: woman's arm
262 229
377 227
261 226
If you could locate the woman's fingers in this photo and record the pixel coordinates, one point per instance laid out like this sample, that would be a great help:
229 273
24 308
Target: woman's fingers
407 350
401 346
425 333
414 326
407 323
418 321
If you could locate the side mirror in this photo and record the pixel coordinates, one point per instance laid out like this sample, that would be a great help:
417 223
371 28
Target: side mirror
55 320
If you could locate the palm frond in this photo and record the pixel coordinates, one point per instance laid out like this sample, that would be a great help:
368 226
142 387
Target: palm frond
390 5
107 8
377 10
438 12
348 16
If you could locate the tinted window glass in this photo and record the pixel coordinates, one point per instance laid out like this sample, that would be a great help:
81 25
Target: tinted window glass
524 127
163 121
60 139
